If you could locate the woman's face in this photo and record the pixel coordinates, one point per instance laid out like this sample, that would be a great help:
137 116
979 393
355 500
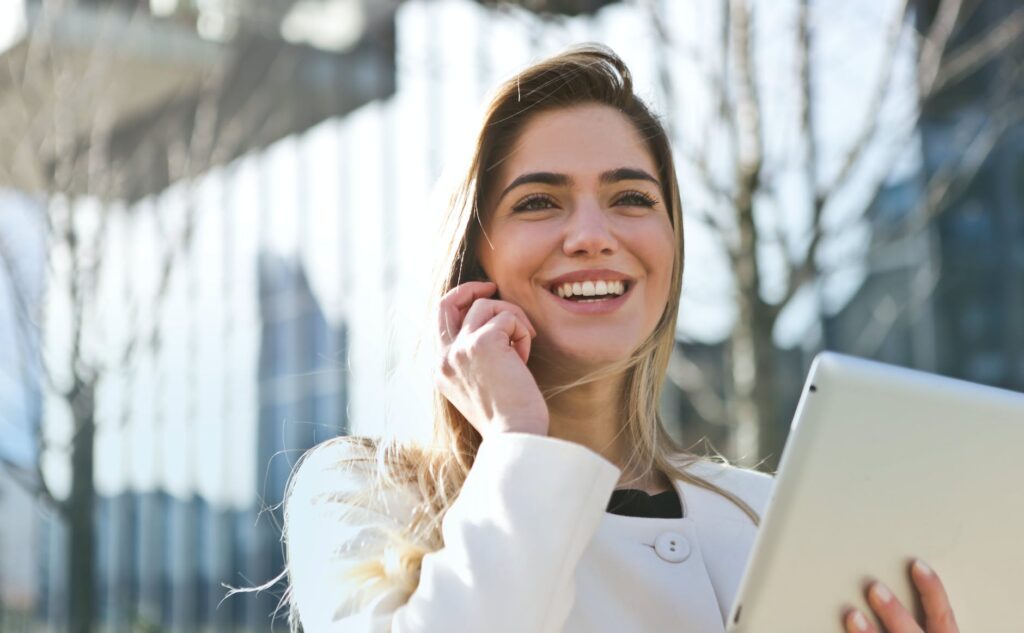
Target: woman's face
578 234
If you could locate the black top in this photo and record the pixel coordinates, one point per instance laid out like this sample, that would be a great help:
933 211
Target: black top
637 503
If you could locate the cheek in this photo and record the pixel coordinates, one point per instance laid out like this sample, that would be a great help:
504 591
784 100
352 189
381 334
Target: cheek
659 256
519 251
512 269
659 251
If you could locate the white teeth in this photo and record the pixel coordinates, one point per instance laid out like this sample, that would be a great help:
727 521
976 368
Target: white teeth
597 288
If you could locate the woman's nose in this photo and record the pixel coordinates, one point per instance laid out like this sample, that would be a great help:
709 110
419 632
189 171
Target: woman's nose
589 231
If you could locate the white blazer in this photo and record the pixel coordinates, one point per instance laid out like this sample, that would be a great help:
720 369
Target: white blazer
528 548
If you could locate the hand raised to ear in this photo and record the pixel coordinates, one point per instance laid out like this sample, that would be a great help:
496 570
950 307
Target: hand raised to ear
484 346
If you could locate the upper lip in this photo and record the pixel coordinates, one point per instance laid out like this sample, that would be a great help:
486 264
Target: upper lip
589 274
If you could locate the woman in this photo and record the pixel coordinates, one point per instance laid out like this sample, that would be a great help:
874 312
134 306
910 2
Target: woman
551 498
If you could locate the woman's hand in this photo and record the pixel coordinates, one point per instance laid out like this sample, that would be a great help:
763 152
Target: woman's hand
485 344
938 614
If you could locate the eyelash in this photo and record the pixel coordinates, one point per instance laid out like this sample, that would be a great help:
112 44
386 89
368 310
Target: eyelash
645 200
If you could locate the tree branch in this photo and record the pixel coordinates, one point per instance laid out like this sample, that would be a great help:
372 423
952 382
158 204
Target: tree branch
949 181
31 481
749 151
970 57
749 144
202 150
872 115
803 271
933 45
931 62
953 177
887 313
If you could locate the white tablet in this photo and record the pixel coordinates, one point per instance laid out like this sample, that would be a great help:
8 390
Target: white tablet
884 464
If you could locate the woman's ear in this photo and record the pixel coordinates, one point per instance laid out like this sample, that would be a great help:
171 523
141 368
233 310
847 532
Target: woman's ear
481 274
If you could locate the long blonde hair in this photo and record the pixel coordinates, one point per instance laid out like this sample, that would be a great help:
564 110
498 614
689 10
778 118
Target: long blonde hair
585 74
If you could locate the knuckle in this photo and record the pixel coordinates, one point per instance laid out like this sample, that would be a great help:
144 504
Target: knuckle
483 306
492 335
460 355
505 317
444 369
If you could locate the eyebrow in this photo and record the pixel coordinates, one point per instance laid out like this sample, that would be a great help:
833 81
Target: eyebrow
561 180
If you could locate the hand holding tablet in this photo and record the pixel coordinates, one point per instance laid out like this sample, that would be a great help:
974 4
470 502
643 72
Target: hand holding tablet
896 617
885 465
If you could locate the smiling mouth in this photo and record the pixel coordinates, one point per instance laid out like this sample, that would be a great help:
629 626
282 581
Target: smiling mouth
590 291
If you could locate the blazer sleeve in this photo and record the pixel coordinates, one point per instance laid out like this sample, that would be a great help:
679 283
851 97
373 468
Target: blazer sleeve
512 540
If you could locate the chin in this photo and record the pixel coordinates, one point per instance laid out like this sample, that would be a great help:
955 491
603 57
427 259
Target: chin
590 355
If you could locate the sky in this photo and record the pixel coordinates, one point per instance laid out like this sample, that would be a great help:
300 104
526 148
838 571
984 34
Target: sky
12 23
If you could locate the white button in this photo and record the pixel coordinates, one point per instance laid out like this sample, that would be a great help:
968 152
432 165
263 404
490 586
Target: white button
672 546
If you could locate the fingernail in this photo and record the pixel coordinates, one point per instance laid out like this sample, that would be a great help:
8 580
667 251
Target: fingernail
882 593
922 568
859 621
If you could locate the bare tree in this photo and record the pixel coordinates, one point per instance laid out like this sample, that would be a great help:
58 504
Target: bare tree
741 178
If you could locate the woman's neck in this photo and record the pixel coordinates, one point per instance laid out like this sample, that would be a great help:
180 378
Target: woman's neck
592 415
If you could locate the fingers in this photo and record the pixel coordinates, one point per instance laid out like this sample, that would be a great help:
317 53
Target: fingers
895 618
467 307
893 615
890 611
504 317
938 612
451 310
483 310
508 327
856 622
887 608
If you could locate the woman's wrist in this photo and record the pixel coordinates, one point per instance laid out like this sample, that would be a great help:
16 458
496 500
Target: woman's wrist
533 426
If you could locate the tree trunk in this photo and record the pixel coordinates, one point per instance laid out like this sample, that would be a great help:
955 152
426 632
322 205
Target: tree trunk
80 511
752 359
751 347
771 433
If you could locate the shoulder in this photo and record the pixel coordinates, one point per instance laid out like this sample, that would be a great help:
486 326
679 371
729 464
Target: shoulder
752 486
336 465
342 515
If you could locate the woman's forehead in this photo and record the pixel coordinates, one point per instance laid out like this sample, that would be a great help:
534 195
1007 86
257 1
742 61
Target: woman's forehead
582 142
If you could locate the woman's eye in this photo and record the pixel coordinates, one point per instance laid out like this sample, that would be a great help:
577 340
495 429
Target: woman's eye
539 202
637 199
533 203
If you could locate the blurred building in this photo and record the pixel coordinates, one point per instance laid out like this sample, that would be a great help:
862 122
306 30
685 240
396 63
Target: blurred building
303 401
20 411
196 440
979 301
164 560
950 297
